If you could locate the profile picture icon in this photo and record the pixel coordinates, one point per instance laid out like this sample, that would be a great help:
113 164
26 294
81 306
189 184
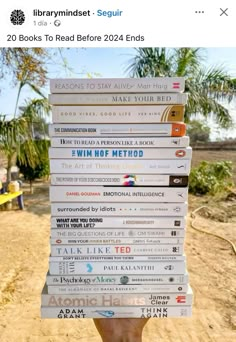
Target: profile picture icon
17 17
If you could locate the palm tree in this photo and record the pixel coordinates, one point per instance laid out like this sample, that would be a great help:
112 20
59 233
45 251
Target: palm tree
17 135
206 87
12 133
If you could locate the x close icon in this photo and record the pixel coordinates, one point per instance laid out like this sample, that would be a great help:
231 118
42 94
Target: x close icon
223 12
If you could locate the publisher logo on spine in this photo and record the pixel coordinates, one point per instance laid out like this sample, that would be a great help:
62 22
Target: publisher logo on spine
124 280
106 313
180 153
177 223
176 85
17 17
129 180
181 299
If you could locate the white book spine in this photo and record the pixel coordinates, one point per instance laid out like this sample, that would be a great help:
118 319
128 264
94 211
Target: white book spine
107 300
75 289
118 99
119 299
117 85
117 114
119 209
73 166
60 250
119 194
106 130
126 268
120 258
117 222
119 180
127 142
140 279
116 312
115 241
129 153
116 233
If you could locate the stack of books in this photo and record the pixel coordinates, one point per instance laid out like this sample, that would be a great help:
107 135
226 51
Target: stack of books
119 161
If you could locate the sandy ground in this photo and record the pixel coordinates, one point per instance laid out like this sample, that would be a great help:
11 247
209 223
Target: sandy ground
24 250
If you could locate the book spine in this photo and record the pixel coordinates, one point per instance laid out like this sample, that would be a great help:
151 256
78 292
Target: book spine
126 268
75 289
117 85
115 299
119 209
126 241
119 99
114 279
117 114
133 167
130 142
166 249
116 312
118 222
119 194
120 258
129 153
177 129
119 180
116 233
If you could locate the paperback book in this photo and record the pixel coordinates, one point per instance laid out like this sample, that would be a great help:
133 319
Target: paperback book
118 209
89 223
79 289
117 114
118 279
116 299
127 142
107 233
118 194
121 258
177 129
155 166
117 85
118 249
119 180
115 241
108 268
116 312
118 99
119 153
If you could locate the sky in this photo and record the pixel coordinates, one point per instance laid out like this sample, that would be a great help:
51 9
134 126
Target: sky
112 62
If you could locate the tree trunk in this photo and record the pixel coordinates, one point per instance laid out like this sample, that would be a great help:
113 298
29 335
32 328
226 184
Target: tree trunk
9 170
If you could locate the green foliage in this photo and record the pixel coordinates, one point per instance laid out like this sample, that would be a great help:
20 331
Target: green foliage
39 171
12 134
17 135
211 178
198 132
233 81
41 168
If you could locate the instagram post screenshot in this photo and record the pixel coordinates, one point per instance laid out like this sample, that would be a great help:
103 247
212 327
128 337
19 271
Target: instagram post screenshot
117 171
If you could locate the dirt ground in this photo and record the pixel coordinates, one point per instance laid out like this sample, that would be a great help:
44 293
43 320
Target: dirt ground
24 251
